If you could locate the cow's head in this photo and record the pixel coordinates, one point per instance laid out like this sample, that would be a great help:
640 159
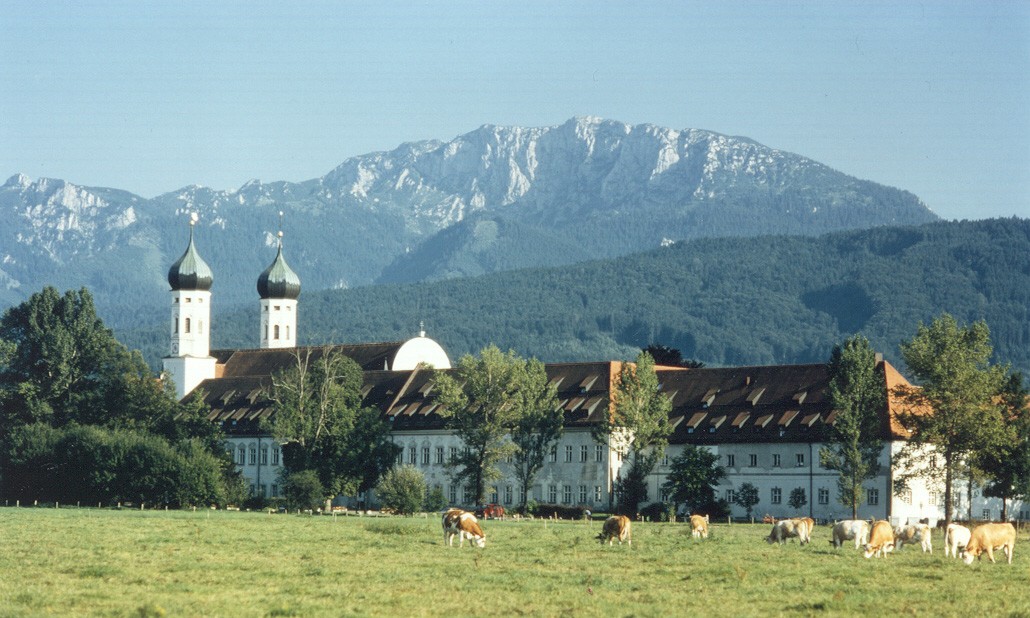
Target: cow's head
480 541
969 556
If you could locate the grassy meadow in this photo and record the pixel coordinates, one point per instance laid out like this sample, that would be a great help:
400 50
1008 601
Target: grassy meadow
215 563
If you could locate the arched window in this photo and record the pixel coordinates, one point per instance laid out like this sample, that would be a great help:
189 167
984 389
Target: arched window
275 332
187 326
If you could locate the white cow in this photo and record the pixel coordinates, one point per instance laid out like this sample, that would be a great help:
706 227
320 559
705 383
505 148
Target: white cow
848 529
913 533
955 537
790 528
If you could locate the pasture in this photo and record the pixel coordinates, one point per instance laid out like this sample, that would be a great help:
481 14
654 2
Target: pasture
132 563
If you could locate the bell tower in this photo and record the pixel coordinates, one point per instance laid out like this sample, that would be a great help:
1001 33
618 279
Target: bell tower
279 288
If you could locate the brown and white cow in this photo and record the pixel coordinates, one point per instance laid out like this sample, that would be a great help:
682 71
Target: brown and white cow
616 527
462 524
848 529
699 526
913 533
791 528
989 537
881 540
955 537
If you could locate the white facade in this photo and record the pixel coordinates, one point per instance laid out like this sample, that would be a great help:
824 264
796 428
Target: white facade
189 361
278 323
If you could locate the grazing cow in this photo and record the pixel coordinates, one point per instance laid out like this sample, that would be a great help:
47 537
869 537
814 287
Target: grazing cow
955 537
790 528
462 524
768 519
848 529
881 540
913 533
989 537
616 527
699 526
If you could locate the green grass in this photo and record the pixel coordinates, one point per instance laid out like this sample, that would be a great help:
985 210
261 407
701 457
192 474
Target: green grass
131 563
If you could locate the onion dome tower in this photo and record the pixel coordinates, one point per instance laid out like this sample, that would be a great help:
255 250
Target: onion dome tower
278 286
189 361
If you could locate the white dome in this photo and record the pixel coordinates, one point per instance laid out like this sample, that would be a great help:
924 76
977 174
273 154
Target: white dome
420 350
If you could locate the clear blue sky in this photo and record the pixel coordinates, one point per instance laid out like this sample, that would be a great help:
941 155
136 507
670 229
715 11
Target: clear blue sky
931 97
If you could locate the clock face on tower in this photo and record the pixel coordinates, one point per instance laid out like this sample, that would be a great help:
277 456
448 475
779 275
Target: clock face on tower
175 348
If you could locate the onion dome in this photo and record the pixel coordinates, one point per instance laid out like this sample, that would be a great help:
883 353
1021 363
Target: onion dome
279 280
190 272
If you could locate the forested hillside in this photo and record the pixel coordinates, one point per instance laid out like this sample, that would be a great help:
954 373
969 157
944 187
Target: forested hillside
731 301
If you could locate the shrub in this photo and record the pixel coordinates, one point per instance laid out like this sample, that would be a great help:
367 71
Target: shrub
402 490
303 490
435 500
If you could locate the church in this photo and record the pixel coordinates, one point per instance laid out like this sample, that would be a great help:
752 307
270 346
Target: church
765 423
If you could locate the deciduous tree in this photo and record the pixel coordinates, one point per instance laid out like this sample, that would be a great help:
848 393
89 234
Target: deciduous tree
539 427
746 497
953 413
636 426
858 396
693 477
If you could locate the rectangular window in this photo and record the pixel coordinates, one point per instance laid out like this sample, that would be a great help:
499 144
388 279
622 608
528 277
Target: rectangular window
800 457
553 455
507 494
425 455
598 494
275 456
241 456
906 496
986 514
776 460
730 496
872 497
776 495
253 455
752 460
454 454
665 459
584 453
522 495
439 454
264 455
400 457
663 495
568 453
731 461
253 489
582 494
599 453
452 494
552 494
263 489
824 495
275 490
494 498
566 494
412 455
933 498
466 495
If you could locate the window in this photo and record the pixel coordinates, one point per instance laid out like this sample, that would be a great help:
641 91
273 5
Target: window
412 455
776 496
872 497
253 455
730 496
425 455
824 495
552 494
553 455
187 329
466 495
264 455
986 515
522 495
568 453
494 498
263 490
275 490
800 458
454 454
598 453
776 460
582 494
439 454
598 494
566 494
933 498
275 456
400 457
752 460
730 461
507 494
275 332
665 459
241 455
452 494
906 496
253 489
663 495
584 453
